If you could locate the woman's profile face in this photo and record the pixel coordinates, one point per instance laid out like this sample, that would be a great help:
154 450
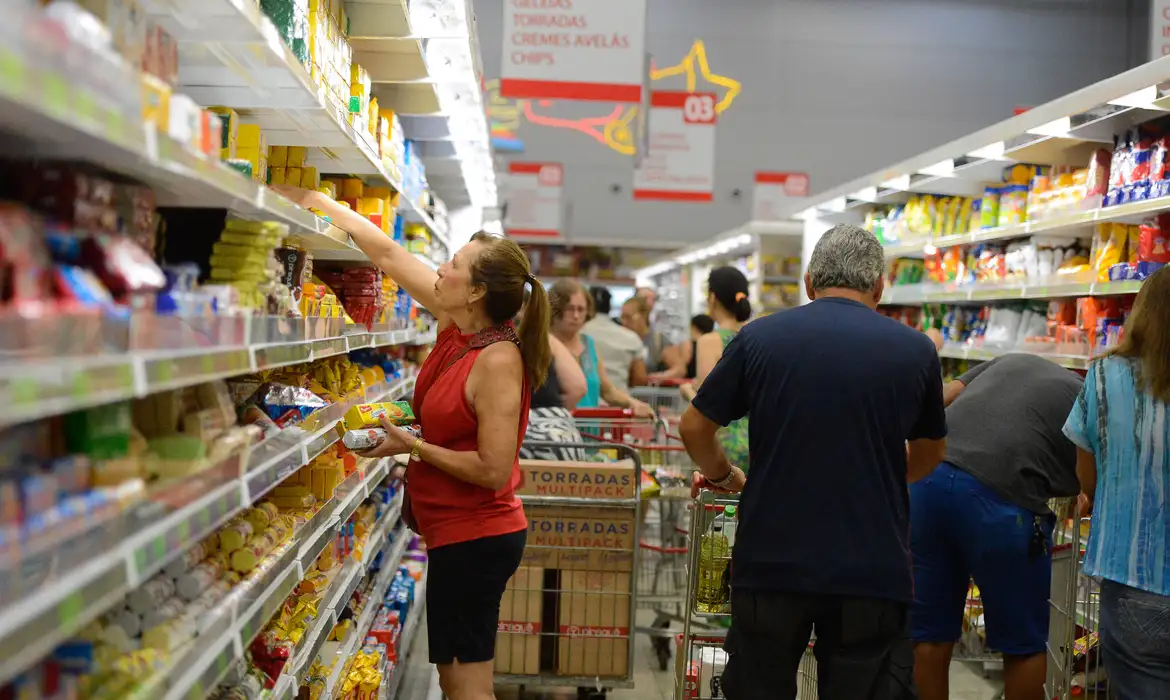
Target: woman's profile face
453 288
572 317
711 303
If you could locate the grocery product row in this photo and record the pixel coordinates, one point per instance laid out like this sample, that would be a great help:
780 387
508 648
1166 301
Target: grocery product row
1069 332
129 87
98 501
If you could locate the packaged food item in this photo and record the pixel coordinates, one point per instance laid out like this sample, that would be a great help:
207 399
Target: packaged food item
235 535
191 585
363 439
246 558
1111 251
367 415
989 208
1153 242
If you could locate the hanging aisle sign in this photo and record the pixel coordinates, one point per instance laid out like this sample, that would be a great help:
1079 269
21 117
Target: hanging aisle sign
574 50
680 160
776 192
533 194
1159 29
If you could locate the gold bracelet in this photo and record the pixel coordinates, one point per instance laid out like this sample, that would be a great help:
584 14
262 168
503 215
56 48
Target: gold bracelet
416 451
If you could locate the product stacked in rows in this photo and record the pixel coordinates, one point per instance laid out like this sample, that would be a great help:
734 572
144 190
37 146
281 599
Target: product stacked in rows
74 242
781 286
567 610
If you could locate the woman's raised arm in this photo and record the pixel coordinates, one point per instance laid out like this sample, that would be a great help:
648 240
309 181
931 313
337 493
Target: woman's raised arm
408 271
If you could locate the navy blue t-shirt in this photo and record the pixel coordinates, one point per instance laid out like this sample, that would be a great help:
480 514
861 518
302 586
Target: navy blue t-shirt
834 390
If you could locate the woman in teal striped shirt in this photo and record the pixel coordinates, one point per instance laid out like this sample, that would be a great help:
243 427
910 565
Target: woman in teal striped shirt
1120 424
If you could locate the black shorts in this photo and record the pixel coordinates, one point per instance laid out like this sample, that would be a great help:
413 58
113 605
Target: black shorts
862 648
465 583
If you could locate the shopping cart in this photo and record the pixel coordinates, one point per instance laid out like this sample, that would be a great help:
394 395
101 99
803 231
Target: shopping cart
663 396
1074 659
707 613
664 524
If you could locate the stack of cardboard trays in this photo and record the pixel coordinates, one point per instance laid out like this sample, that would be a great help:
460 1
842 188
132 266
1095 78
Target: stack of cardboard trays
567 610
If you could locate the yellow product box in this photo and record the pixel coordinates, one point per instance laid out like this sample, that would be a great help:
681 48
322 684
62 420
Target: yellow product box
377 192
310 178
296 156
276 174
277 156
328 188
292 175
351 188
250 136
228 153
156 102
367 415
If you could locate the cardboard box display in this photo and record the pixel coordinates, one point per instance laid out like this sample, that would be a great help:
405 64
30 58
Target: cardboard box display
518 633
593 617
573 537
540 477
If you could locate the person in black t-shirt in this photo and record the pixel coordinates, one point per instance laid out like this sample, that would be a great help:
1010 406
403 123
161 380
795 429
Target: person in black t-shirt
846 408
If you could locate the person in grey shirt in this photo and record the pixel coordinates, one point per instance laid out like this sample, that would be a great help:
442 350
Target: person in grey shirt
621 349
983 514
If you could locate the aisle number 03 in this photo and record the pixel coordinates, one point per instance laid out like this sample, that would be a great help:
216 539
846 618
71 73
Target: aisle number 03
699 109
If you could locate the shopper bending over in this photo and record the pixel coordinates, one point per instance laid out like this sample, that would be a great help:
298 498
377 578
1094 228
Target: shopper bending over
728 305
1121 426
619 348
570 298
984 514
471 399
834 391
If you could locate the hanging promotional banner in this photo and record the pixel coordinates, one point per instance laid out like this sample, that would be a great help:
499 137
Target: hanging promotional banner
574 50
1159 29
533 194
775 194
680 159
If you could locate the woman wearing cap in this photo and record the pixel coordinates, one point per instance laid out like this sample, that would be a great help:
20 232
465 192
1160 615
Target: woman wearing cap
728 305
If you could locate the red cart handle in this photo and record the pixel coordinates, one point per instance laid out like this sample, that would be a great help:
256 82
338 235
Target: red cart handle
603 412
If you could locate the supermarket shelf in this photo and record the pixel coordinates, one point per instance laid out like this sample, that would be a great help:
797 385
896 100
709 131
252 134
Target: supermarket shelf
36 389
915 294
782 279
32 625
206 669
1072 224
357 636
336 598
982 354
409 632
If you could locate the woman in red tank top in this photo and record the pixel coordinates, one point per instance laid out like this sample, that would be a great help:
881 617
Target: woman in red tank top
471 399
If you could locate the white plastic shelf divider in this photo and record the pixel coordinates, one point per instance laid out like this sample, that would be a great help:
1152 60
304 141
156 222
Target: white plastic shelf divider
978 354
917 294
32 625
85 381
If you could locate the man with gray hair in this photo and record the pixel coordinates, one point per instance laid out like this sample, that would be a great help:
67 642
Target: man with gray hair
846 409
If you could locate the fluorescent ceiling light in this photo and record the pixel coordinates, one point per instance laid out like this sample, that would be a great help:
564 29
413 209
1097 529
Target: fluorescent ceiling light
992 151
865 194
1143 98
1056 128
901 182
943 168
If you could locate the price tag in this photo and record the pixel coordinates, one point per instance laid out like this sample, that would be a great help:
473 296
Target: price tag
204 518
208 364
165 371
196 692
160 547
184 531
140 560
56 94
12 73
69 610
85 107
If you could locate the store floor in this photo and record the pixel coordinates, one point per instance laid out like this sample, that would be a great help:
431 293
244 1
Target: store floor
421 683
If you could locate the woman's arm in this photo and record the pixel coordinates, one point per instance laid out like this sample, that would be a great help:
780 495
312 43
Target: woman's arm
569 374
638 372
710 349
679 358
494 384
616 397
1087 475
410 272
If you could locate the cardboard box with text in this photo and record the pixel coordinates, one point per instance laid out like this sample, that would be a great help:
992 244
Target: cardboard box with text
593 615
518 633
540 477
594 539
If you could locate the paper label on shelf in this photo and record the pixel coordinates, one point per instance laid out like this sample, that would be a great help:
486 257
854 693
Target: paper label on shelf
574 50
776 192
533 192
680 160
1159 29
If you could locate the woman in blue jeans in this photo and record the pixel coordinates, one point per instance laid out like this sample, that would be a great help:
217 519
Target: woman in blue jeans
1121 427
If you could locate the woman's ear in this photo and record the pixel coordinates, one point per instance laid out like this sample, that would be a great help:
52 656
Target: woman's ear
477 292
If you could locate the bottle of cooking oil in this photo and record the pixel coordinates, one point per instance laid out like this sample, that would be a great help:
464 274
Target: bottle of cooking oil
710 596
